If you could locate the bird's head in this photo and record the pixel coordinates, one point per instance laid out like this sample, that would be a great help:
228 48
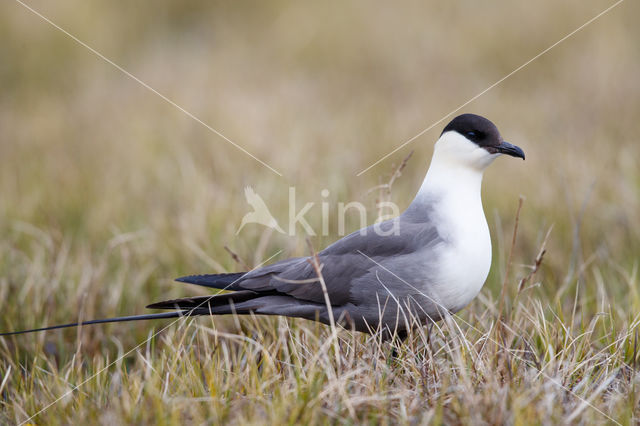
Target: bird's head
472 141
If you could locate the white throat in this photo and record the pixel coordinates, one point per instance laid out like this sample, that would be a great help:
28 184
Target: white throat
457 165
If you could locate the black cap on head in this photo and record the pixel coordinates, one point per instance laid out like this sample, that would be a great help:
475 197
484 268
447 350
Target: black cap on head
475 128
483 133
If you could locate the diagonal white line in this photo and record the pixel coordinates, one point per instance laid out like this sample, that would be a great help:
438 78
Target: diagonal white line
408 141
554 381
145 85
190 311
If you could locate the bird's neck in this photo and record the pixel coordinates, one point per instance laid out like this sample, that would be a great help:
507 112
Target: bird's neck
446 181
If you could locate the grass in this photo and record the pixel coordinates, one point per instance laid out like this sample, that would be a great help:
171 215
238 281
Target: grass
107 193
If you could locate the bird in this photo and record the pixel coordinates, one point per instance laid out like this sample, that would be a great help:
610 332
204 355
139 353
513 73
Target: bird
409 271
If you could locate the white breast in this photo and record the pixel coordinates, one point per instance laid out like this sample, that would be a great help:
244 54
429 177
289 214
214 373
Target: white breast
454 179
466 258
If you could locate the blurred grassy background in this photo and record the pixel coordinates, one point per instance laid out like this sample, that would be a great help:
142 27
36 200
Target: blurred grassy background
107 192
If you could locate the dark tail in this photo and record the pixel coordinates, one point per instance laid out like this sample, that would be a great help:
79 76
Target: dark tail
209 304
106 320
221 281
182 307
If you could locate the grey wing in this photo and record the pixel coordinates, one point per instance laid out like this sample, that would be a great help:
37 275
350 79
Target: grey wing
348 265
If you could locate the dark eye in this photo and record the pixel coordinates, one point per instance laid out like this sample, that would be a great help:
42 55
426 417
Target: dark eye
471 134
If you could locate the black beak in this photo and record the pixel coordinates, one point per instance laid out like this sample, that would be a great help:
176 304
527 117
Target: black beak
512 150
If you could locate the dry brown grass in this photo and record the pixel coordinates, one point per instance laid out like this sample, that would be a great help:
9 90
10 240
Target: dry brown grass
107 193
